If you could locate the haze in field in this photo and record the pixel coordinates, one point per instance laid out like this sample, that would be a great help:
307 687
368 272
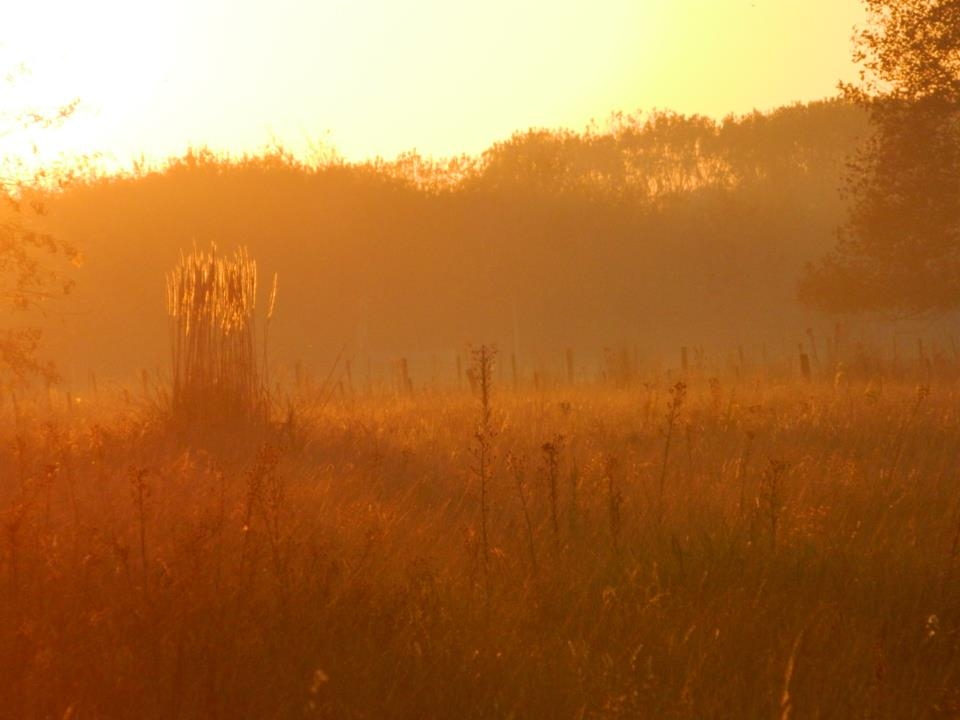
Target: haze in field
515 220
376 77
388 385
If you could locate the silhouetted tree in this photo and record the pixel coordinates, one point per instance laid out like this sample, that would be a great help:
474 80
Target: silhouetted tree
27 278
899 250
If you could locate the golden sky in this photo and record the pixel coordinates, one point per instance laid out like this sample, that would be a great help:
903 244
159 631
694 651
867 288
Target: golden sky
378 77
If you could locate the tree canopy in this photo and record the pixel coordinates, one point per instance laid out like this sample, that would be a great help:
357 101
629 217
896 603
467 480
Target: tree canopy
899 250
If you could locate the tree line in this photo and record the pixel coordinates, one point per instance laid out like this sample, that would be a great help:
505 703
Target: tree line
652 230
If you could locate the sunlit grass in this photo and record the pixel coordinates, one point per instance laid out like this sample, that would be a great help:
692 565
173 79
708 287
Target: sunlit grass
794 552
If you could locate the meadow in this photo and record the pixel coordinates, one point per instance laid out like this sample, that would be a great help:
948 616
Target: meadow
345 510
675 546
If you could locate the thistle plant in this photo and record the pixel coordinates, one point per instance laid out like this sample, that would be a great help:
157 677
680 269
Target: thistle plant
551 472
482 374
678 394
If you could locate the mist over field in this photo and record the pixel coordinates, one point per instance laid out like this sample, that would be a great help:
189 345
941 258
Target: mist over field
655 419
650 233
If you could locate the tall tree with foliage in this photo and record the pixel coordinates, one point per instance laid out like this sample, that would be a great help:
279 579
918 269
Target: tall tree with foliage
899 250
28 278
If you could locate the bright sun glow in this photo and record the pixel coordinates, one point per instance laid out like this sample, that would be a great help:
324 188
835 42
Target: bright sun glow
375 77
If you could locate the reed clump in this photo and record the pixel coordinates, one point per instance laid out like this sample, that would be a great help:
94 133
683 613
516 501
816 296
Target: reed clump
211 304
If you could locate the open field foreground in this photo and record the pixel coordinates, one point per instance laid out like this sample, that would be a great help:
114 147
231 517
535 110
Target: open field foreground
706 551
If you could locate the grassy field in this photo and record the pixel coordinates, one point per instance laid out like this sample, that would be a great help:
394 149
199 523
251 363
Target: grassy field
753 550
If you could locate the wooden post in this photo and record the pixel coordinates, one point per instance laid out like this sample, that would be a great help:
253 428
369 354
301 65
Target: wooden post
804 364
406 385
813 346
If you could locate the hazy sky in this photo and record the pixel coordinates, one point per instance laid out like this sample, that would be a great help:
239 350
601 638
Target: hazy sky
383 76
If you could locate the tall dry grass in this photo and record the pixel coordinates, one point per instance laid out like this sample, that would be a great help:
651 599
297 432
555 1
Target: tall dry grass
794 554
